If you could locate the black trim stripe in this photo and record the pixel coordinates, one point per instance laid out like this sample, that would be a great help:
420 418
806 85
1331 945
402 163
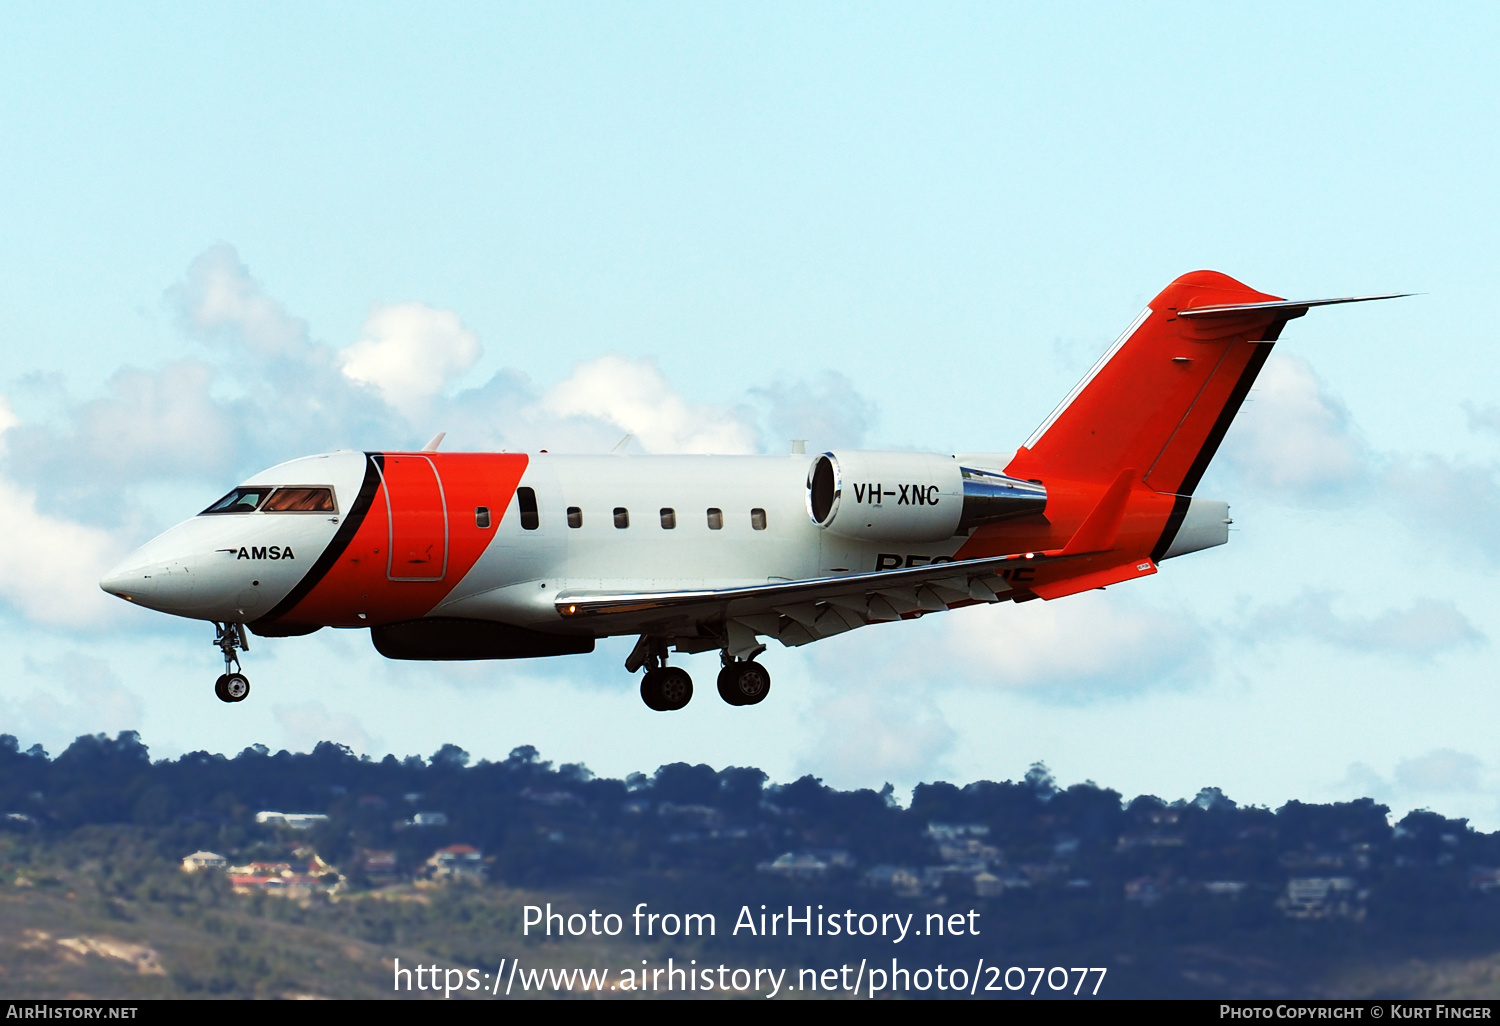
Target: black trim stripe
1226 416
341 539
1180 505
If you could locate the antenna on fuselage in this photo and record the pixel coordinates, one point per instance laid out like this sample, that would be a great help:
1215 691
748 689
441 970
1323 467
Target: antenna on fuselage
437 440
621 445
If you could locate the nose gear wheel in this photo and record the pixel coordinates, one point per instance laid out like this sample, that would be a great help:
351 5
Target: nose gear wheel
232 685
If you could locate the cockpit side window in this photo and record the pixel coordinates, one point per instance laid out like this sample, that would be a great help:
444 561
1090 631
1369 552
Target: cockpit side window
241 500
301 499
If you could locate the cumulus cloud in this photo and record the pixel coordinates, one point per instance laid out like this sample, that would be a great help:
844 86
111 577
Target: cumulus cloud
1094 646
633 396
1454 502
1483 418
828 412
409 353
878 734
219 301
49 566
1443 772
82 695
160 442
161 424
308 723
1294 438
1424 628
1442 769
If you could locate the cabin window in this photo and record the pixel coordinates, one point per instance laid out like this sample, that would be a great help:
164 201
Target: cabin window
241 500
300 500
575 516
622 517
668 518
758 519
715 519
481 516
526 498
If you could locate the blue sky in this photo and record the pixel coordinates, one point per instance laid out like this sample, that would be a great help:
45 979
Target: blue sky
226 226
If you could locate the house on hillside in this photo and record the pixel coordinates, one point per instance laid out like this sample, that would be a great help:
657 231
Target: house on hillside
292 820
203 860
457 862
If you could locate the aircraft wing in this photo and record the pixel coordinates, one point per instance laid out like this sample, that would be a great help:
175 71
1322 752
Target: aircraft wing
798 612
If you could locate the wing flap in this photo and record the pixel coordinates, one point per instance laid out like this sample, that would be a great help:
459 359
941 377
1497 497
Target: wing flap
878 595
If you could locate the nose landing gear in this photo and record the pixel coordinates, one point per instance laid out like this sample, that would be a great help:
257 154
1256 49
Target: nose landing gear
232 685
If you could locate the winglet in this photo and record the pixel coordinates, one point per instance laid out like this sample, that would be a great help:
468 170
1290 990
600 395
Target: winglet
437 440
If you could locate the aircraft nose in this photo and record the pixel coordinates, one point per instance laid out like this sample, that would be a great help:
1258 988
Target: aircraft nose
124 583
165 585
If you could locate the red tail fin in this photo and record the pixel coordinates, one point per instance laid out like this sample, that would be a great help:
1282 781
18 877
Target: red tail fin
1163 396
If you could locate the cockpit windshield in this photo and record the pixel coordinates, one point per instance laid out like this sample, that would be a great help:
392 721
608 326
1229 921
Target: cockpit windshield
301 500
294 499
241 500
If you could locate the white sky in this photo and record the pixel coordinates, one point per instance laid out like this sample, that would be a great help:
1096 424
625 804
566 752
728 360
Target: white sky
227 230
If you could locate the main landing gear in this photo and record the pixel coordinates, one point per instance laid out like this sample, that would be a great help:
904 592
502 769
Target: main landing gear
666 688
669 688
743 681
232 685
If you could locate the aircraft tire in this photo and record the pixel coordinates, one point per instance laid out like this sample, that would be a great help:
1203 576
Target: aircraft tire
232 687
745 683
667 689
651 691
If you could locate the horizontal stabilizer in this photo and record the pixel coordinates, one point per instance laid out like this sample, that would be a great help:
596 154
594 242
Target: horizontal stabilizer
1290 307
1098 531
1097 579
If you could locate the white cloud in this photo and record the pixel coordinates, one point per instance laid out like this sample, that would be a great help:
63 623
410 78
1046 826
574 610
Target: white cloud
1078 648
409 353
1456 502
829 412
220 301
8 419
1094 646
1442 769
1424 628
49 567
1294 438
633 396
875 734
80 695
1458 777
122 462
310 722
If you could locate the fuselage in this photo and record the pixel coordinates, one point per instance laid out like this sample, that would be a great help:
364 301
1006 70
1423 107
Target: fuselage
498 536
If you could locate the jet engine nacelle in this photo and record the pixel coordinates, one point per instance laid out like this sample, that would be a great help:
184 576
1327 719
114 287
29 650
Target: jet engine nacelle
911 496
